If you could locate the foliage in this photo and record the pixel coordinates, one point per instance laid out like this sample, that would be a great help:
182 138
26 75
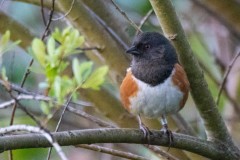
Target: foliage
52 59
5 43
4 47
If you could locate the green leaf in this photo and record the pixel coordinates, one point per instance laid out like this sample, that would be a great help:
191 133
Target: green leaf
4 43
57 87
66 32
96 79
70 40
85 69
76 73
51 73
81 40
57 35
37 69
63 66
4 74
51 46
5 38
38 49
81 71
45 107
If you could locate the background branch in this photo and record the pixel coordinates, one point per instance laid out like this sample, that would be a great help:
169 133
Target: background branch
226 76
114 152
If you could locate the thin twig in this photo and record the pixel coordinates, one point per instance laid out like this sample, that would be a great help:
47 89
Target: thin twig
49 20
100 122
27 72
17 88
22 84
33 129
89 48
65 15
24 97
69 108
232 101
225 77
107 28
144 19
182 124
110 151
126 17
36 96
60 120
42 12
31 62
15 101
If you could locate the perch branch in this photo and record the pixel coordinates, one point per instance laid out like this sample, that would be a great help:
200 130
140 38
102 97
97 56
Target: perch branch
212 150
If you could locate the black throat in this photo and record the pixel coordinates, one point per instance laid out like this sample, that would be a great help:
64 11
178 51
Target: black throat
152 73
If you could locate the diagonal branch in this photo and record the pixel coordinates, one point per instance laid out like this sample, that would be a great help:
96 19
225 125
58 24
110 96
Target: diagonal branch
213 121
126 17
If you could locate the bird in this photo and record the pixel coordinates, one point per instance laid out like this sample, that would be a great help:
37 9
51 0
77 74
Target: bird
155 84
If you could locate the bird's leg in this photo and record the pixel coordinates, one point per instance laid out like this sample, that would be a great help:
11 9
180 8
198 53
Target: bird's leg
144 129
166 130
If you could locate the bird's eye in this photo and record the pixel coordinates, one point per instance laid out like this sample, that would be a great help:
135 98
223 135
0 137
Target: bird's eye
147 46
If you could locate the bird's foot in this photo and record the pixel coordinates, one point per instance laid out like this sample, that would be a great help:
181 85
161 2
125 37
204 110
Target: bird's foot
169 134
146 132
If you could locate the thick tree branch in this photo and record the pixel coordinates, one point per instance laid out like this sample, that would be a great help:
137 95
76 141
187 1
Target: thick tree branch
213 121
189 143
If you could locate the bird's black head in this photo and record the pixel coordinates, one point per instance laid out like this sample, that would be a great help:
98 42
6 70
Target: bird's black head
152 46
153 58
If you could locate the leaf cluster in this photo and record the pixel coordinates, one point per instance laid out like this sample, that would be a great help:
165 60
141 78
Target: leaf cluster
52 59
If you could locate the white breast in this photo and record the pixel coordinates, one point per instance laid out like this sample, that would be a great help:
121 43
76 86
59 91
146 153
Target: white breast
156 101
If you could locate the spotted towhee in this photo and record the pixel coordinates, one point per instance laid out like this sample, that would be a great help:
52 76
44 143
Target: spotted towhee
155 85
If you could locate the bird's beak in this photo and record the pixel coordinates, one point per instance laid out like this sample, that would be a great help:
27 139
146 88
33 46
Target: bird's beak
133 50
